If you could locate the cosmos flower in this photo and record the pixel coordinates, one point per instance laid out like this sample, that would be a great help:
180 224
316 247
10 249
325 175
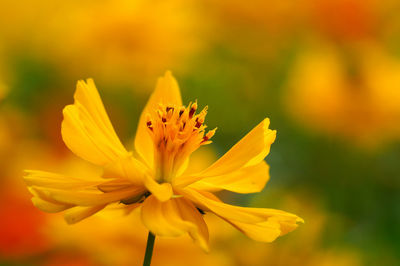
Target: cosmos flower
153 178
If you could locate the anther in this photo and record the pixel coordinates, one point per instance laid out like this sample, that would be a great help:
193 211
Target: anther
205 138
193 109
198 123
209 135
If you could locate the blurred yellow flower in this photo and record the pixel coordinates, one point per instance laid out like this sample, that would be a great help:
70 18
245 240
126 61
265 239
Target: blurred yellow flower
352 95
132 41
171 201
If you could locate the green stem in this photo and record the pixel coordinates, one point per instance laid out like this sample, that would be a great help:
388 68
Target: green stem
149 249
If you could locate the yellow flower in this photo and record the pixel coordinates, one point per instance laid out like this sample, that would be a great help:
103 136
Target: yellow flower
153 178
140 37
355 98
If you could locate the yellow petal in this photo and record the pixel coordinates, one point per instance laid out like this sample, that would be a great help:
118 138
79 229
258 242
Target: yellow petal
134 171
50 207
128 168
249 151
45 203
190 213
264 232
128 209
52 180
90 197
162 192
77 214
174 218
87 130
114 184
258 223
248 179
166 92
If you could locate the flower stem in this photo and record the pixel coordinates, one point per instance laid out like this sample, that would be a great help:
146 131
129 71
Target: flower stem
149 249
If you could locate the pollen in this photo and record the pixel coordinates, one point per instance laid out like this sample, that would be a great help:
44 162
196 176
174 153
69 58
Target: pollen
176 131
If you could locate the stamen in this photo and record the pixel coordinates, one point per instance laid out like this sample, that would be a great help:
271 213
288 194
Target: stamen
181 111
198 123
192 110
176 134
208 136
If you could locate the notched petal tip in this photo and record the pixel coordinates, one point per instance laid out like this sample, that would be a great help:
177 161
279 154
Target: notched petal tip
300 220
269 134
266 122
86 129
260 224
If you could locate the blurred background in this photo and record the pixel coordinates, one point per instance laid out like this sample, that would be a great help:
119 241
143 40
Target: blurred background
326 72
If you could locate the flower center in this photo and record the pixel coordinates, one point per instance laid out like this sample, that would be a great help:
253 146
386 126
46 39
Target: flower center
177 131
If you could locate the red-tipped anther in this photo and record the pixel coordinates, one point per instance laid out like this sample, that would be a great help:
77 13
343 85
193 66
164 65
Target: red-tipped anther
199 122
193 109
205 138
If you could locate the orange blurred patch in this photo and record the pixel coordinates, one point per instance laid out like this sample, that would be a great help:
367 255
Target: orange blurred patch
20 226
344 19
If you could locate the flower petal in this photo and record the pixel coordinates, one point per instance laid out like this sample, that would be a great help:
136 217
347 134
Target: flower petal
249 151
48 206
264 232
248 179
128 168
190 213
41 201
162 192
89 197
135 172
258 223
77 214
87 130
45 203
166 92
174 218
52 180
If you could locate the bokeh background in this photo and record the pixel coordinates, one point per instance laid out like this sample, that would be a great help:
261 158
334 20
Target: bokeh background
326 72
